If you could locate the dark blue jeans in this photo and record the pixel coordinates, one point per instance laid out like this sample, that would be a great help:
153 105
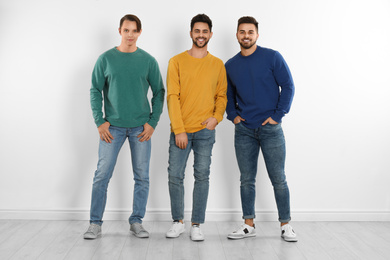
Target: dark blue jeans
247 142
201 143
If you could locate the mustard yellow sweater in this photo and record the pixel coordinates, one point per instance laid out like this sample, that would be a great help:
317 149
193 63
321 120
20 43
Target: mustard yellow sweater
196 91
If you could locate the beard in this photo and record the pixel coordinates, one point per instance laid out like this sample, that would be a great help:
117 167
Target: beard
248 46
199 46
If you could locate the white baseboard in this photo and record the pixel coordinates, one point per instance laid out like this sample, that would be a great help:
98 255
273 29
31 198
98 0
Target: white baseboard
211 215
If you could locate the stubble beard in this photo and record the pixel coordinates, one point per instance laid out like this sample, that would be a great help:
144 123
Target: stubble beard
196 43
246 46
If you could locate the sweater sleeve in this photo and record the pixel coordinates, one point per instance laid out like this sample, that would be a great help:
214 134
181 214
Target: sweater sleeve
284 79
231 100
96 97
220 95
173 97
157 86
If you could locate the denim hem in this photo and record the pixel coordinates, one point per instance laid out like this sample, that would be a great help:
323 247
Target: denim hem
177 219
135 221
96 223
197 222
284 220
249 217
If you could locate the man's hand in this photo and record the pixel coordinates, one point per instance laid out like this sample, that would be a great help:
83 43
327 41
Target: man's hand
181 140
269 120
104 133
237 120
210 123
147 133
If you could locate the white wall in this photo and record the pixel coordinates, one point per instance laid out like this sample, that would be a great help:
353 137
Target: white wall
337 130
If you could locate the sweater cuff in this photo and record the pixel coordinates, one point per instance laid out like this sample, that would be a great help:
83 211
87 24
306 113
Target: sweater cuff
218 117
232 115
278 116
99 122
179 130
152 123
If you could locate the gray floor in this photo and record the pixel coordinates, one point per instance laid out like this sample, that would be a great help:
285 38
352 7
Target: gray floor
22 239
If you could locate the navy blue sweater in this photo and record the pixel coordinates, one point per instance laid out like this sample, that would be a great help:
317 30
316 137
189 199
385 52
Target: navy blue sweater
259 86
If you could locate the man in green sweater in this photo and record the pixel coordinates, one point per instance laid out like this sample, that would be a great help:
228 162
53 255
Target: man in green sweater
122 77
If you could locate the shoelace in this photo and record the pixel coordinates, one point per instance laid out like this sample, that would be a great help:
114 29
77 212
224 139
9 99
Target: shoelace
289 230
196 229
141 229
173 226
92 229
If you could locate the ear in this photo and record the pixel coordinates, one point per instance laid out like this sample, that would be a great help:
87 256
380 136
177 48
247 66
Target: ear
140 31
211 34
119 30
191 34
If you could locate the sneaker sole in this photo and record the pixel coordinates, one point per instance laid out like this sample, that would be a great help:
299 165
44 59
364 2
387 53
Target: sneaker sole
140 236
247 236
90 238
197 240
290 239
172 236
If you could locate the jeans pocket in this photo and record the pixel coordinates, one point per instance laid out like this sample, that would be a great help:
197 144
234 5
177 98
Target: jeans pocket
272 125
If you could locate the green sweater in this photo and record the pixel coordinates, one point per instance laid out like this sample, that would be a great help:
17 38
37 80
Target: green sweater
124 79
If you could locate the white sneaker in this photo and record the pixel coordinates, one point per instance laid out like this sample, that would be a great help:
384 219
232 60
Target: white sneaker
288 233
243 232
176 229
196 233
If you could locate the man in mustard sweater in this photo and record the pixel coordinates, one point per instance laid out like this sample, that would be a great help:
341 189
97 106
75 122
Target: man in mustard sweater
122 77
196 84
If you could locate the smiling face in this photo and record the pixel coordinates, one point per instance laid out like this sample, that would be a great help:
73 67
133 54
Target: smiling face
201 34
129 33
247 35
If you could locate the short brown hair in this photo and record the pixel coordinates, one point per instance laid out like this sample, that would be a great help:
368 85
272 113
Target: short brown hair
132 18
201 18
248 19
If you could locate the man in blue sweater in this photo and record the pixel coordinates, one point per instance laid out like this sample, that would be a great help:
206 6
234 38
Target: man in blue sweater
260 92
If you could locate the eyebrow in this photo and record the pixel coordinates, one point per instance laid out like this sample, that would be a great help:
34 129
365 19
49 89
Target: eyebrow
124 28
245 31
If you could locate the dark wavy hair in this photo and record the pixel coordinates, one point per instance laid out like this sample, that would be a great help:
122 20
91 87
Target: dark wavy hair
248 19
201 18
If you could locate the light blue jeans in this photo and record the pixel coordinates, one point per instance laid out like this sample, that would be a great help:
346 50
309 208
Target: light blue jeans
247 142
108 154
201 143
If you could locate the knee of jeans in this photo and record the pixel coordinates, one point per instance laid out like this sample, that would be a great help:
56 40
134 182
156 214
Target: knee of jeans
279 184
247 180
101 176
246 183
175 170
142 181
202 169
202 176
175 179
202 165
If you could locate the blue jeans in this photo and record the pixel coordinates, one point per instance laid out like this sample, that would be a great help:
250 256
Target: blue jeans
247 142
201 143
108 154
